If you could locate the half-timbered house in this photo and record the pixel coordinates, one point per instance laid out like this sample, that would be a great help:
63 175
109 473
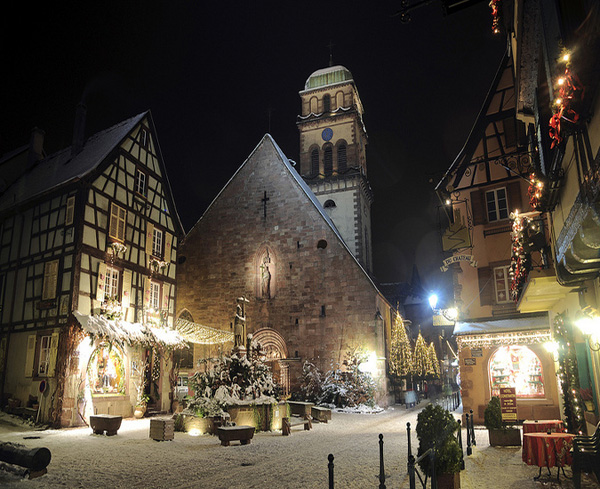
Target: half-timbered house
88 242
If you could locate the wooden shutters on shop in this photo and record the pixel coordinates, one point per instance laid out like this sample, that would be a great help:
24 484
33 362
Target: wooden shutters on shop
30 356
101 285
166 289
53 354
478 207
126 295
147 285
149 240
486 286
168 246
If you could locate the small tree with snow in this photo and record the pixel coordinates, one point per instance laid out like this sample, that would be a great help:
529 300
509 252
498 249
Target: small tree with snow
311 382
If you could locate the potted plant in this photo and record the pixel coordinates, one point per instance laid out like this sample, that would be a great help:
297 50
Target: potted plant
500 434
436 428
140 406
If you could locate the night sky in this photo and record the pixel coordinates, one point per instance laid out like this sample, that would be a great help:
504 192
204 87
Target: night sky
217 76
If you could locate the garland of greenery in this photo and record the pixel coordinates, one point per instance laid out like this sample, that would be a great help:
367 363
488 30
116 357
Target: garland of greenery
568 375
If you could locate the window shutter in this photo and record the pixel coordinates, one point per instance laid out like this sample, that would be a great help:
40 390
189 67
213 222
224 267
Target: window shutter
486 286
31 340
478 207
168 245
101 282
149 237
126 297
166 289
70 211
515 202
53 354
146 292
50 279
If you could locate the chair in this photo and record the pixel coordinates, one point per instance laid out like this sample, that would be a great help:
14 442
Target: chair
586 456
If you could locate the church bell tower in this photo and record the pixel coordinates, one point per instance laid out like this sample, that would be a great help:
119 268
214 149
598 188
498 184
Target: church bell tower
333 160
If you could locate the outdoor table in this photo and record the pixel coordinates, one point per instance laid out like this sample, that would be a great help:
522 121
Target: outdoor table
543 425
547 450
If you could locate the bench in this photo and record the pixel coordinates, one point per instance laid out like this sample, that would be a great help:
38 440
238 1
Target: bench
230 433
321 414
299 408
287 424
586 456
105 422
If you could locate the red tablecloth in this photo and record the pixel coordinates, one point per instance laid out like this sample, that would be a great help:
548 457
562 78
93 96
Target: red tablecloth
543 425
546 450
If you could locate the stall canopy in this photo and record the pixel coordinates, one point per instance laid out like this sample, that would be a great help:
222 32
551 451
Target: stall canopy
531 328
121 332
202 335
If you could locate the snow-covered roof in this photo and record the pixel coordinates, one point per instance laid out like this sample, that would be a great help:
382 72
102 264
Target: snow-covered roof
501 325
130 333
61 167
328 76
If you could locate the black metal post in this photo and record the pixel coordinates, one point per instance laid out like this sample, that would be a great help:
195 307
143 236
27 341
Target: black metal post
473 442
330 467
433 477
462 458
469 451
381 469
411 471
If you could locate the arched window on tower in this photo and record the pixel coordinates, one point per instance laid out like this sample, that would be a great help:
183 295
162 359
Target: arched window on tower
314 163
341 158
328 160
327 103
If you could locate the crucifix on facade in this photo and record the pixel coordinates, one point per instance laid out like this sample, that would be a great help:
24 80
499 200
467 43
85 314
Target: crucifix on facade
264 200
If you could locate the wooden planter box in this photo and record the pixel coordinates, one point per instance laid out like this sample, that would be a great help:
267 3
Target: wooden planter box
105 422
510 437
448 481
200 425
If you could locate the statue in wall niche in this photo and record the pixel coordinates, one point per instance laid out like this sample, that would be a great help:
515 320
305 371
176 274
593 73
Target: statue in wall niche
265 277
239 324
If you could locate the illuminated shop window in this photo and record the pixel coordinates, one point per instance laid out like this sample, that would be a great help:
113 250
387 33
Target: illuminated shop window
518 367
106 374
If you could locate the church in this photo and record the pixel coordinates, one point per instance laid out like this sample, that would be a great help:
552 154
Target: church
291 244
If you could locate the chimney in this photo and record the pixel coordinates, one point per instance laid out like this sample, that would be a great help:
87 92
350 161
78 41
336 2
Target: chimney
36 147
79 129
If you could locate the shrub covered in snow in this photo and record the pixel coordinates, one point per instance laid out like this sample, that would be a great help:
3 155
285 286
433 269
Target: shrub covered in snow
350 387
232 380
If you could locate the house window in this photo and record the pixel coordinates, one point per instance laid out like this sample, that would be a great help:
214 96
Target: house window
328 160
497 205
519 367
144 137
106 373
314 162
341 157
50 280
45 343
155 296
326 103
70 211
140 182
117 222
111 283
502 284
157 242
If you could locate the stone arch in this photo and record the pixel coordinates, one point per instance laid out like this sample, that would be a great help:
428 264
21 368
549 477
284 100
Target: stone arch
313 107
339 99
275 350
186 315
265 265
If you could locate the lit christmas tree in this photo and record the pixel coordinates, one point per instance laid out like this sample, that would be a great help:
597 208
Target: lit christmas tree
434 363
422 363
401 356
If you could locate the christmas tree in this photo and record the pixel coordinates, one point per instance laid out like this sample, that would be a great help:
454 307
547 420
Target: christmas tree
434 363
422 363
401 356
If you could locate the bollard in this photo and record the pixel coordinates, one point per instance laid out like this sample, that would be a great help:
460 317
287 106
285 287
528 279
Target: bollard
409 449
473 442
381 469
330 467
411 471
469 451
462 458
433 477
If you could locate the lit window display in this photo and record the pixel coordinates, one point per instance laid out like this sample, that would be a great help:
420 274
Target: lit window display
518 367
106 374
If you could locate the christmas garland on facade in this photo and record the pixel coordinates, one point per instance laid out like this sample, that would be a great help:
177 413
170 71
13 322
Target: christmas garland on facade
520 260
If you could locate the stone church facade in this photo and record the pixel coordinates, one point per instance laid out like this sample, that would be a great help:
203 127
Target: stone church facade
266 238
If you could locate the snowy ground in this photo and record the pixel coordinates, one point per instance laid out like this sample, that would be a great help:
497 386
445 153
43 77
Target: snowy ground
131 459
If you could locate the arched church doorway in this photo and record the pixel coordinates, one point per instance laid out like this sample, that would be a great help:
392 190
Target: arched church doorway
274 349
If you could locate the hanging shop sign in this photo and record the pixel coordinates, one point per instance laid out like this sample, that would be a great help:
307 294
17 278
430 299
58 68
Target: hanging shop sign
508 403
456 259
